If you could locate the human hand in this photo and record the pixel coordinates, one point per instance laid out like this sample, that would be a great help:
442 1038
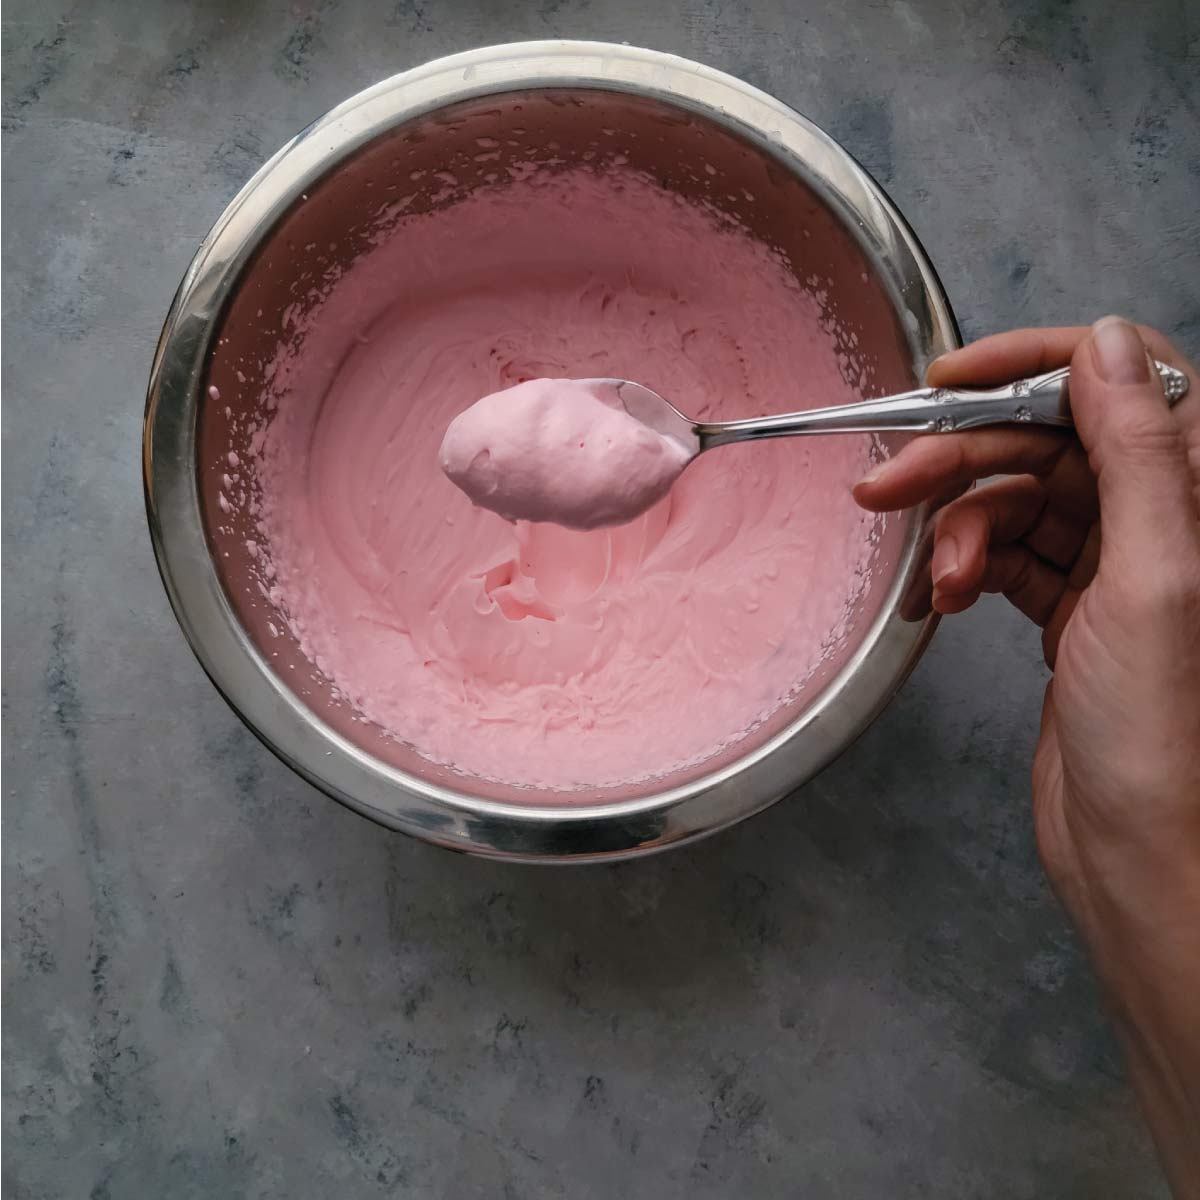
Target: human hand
1097 540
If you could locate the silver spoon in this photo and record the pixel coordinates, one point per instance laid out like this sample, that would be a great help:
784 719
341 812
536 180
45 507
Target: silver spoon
1040 400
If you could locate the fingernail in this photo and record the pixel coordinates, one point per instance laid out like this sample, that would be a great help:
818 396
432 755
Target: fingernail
874 474
1118 352
945 559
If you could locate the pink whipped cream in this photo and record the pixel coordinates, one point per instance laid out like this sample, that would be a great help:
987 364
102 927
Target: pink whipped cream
560 450
529 653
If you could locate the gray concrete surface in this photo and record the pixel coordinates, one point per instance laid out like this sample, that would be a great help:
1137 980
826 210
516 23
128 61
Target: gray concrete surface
221 984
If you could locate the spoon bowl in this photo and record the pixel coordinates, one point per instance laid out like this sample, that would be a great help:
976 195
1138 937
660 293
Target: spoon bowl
655 412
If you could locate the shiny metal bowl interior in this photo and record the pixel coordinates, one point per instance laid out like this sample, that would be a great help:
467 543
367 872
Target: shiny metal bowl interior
314 208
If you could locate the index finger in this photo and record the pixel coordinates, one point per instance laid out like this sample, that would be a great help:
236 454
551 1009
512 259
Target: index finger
1003 357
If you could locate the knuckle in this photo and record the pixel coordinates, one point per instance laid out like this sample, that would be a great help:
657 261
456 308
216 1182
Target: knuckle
1020 573
1149 439
1044 354
950 516
959 466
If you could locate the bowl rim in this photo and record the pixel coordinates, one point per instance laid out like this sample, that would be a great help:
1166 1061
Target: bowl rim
860 689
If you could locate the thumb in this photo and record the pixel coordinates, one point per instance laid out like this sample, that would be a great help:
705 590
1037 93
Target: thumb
1136 448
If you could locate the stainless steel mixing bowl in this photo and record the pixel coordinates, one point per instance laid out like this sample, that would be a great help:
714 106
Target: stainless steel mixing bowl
312 208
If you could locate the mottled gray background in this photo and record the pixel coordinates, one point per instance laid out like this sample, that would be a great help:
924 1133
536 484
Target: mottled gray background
220 983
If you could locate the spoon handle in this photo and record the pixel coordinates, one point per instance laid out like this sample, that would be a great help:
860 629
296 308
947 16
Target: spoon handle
1040 400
